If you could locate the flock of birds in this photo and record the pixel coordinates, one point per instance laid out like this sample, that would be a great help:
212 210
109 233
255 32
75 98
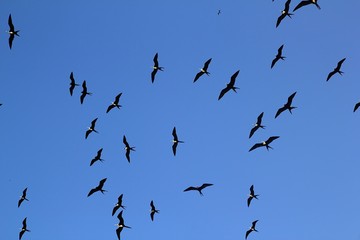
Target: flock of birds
128 148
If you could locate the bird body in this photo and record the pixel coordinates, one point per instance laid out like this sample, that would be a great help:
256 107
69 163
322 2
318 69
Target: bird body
287 105
336 70
278 56
230 85
199 189
12 32
98 188
264 143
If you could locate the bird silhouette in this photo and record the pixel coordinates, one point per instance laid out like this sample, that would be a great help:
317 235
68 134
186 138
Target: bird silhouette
23 229
12 32
155 68
91 128
203 70
153 210
336 70
127 149
121 225
264 144
98 188
97 157
115 103
284 13
199 189
251 195
252 228
23 197
84 92
72 83
118 205
306 2
357 105
278 56
287 105
175 141
257 125
230 85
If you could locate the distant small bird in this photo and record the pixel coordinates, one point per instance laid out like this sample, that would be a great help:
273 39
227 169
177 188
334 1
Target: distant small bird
306 2
118 205
284 13
287 105
91 128
153 210
98 188
23 197
97 157
120 225
72 83
23 229
115 103
278 56
203 70
155 68
337 69
12 32
230 85
257 125
219 11
356 106
175 141
199 189
264 144
127 149
252 228
84 92
251 195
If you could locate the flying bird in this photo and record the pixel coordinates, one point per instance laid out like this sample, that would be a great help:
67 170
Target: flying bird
356 106
284 13
278 56
91 128
118 205
23 197
120 225
72 83
230 85
153 210
199 189
306 2
252 228
98 188
219 11
203 70
264 144
155 68
12 32
337 69
84 92
23 229
257 125
251 195
287 105
115 103
175 141
97 157
127 149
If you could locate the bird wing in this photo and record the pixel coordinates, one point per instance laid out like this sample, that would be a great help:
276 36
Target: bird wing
330 75
279 111
290 98
287 6
119 216
340 63
271 139
11 25
99 153
101 183
255 146
120 199
190 188
156 63
280 18
252 190
254 224
82 97
222 93
174 134
249 201
198 75
117 98
206 64
93 122
356 106
280 50
92 191
127 154
152 205
259 118
125 142
174 146
87 133
247 233
301 4
205 185
11 38
233 78
84 86
72 86
117 206
93 161
111 106
153 73
118 231
274 61
21 233
152 215
20 201
253 130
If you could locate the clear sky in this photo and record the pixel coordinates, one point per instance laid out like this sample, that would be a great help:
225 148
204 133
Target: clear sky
308 184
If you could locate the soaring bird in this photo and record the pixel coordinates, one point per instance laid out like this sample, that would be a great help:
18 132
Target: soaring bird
356 106
97 157
264 144
98 188
252 228
230 85
72 83
23 229
84 92
278 56
23 197
12 32
91 128
306 2
284 13
153 210
175 141
118 205
257 124
199 189
287 105
337 69
203 70
115 103
251 195
155 68
127 149
120 225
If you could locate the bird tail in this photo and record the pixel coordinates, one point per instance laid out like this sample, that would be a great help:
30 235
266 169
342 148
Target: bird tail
267 147
161 68
341 72
291 108
103 191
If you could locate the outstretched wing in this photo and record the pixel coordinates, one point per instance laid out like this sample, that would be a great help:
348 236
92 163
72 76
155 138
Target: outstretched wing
280 18
271 139
249 201
222 93
11 25
279 111
190 189
356 106
256 146
198 75
111 106
153 73
92 191
253 130
205 185
11 38
233 78
301 4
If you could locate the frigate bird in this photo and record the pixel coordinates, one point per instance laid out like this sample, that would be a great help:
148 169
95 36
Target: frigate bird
23 197
252 228
115 103
118 205
12 32
175 141
199 189
287 105
97 157
357 105
278 56
306 2
72 83
91 128
98 188
120 225
257 125
203 70
153 210
336 70
84 92
230 85
155 68
251 195
264 144
284 13
127 149
23 229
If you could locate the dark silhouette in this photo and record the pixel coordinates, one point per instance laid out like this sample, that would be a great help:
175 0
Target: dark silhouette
336 70
306 2
252 228
264 144
175 141
284 13
12 32
278 56
287 105
72 83
23 197
203 70
91 128
153 210
199 189
356 106
84 92
257 125
120 225
251 195
155 68
23 229
115 103
98 188
118 205
230 85
127 149
97 157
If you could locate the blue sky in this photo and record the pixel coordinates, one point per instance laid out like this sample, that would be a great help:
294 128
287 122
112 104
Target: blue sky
308 184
